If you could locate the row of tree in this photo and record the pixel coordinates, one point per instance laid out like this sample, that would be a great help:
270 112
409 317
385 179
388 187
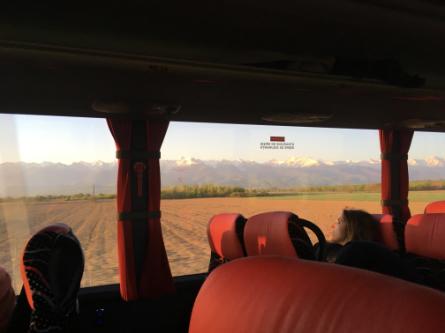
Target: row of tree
208 191
219 191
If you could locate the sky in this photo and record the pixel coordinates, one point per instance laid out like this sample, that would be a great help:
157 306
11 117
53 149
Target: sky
67 140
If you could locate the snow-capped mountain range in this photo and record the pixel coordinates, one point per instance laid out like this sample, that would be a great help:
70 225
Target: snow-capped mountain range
17 179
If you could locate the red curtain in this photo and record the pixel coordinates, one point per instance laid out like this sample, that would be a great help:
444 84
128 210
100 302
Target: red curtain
155 276
394 146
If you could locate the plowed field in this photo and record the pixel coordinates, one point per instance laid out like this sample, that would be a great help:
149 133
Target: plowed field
184 225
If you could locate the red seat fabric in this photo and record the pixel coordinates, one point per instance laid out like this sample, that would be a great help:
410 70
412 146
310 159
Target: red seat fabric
7 299
224 236
268 234
425 235
387 234
278 294
435 207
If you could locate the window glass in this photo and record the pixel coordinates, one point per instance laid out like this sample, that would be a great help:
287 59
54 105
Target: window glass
426 167
58 169
209 169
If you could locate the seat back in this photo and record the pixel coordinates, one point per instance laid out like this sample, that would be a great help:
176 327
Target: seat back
435 207
387 235
277 233
7 299
52 267
225 236
425 235
425 247
278 294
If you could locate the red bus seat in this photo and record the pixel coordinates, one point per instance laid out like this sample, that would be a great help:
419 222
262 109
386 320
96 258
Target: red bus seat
277 233
435 207
278 294
387 234
225 235
425 247
425 235
7 299
52 268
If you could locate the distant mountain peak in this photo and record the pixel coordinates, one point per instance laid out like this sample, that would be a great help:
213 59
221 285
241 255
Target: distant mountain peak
303 162
434 161
431 161
20 178
184 162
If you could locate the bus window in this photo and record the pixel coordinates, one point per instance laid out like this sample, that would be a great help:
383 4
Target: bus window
207 169
426 167
58 169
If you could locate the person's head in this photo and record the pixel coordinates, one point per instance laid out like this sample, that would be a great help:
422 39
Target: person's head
354 224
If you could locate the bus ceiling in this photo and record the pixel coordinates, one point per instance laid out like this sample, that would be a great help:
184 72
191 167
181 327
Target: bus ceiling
369 64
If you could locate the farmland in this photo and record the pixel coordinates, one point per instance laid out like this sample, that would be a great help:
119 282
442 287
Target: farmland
184 225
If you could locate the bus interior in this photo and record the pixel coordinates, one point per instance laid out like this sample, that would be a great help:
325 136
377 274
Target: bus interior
232 80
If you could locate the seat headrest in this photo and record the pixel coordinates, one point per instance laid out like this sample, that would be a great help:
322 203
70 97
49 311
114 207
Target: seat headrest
7 299
425 235
224 233
387 234
268 234
53 260
58 228
435 207
278 294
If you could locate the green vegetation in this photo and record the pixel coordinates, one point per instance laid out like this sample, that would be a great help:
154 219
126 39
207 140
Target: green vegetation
414 196
426 196
339 188
427 185
208 191
423 191
73 197
87 196
419 185
327 196
174 192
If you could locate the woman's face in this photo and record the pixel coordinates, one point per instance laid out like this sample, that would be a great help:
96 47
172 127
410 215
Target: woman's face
338 234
